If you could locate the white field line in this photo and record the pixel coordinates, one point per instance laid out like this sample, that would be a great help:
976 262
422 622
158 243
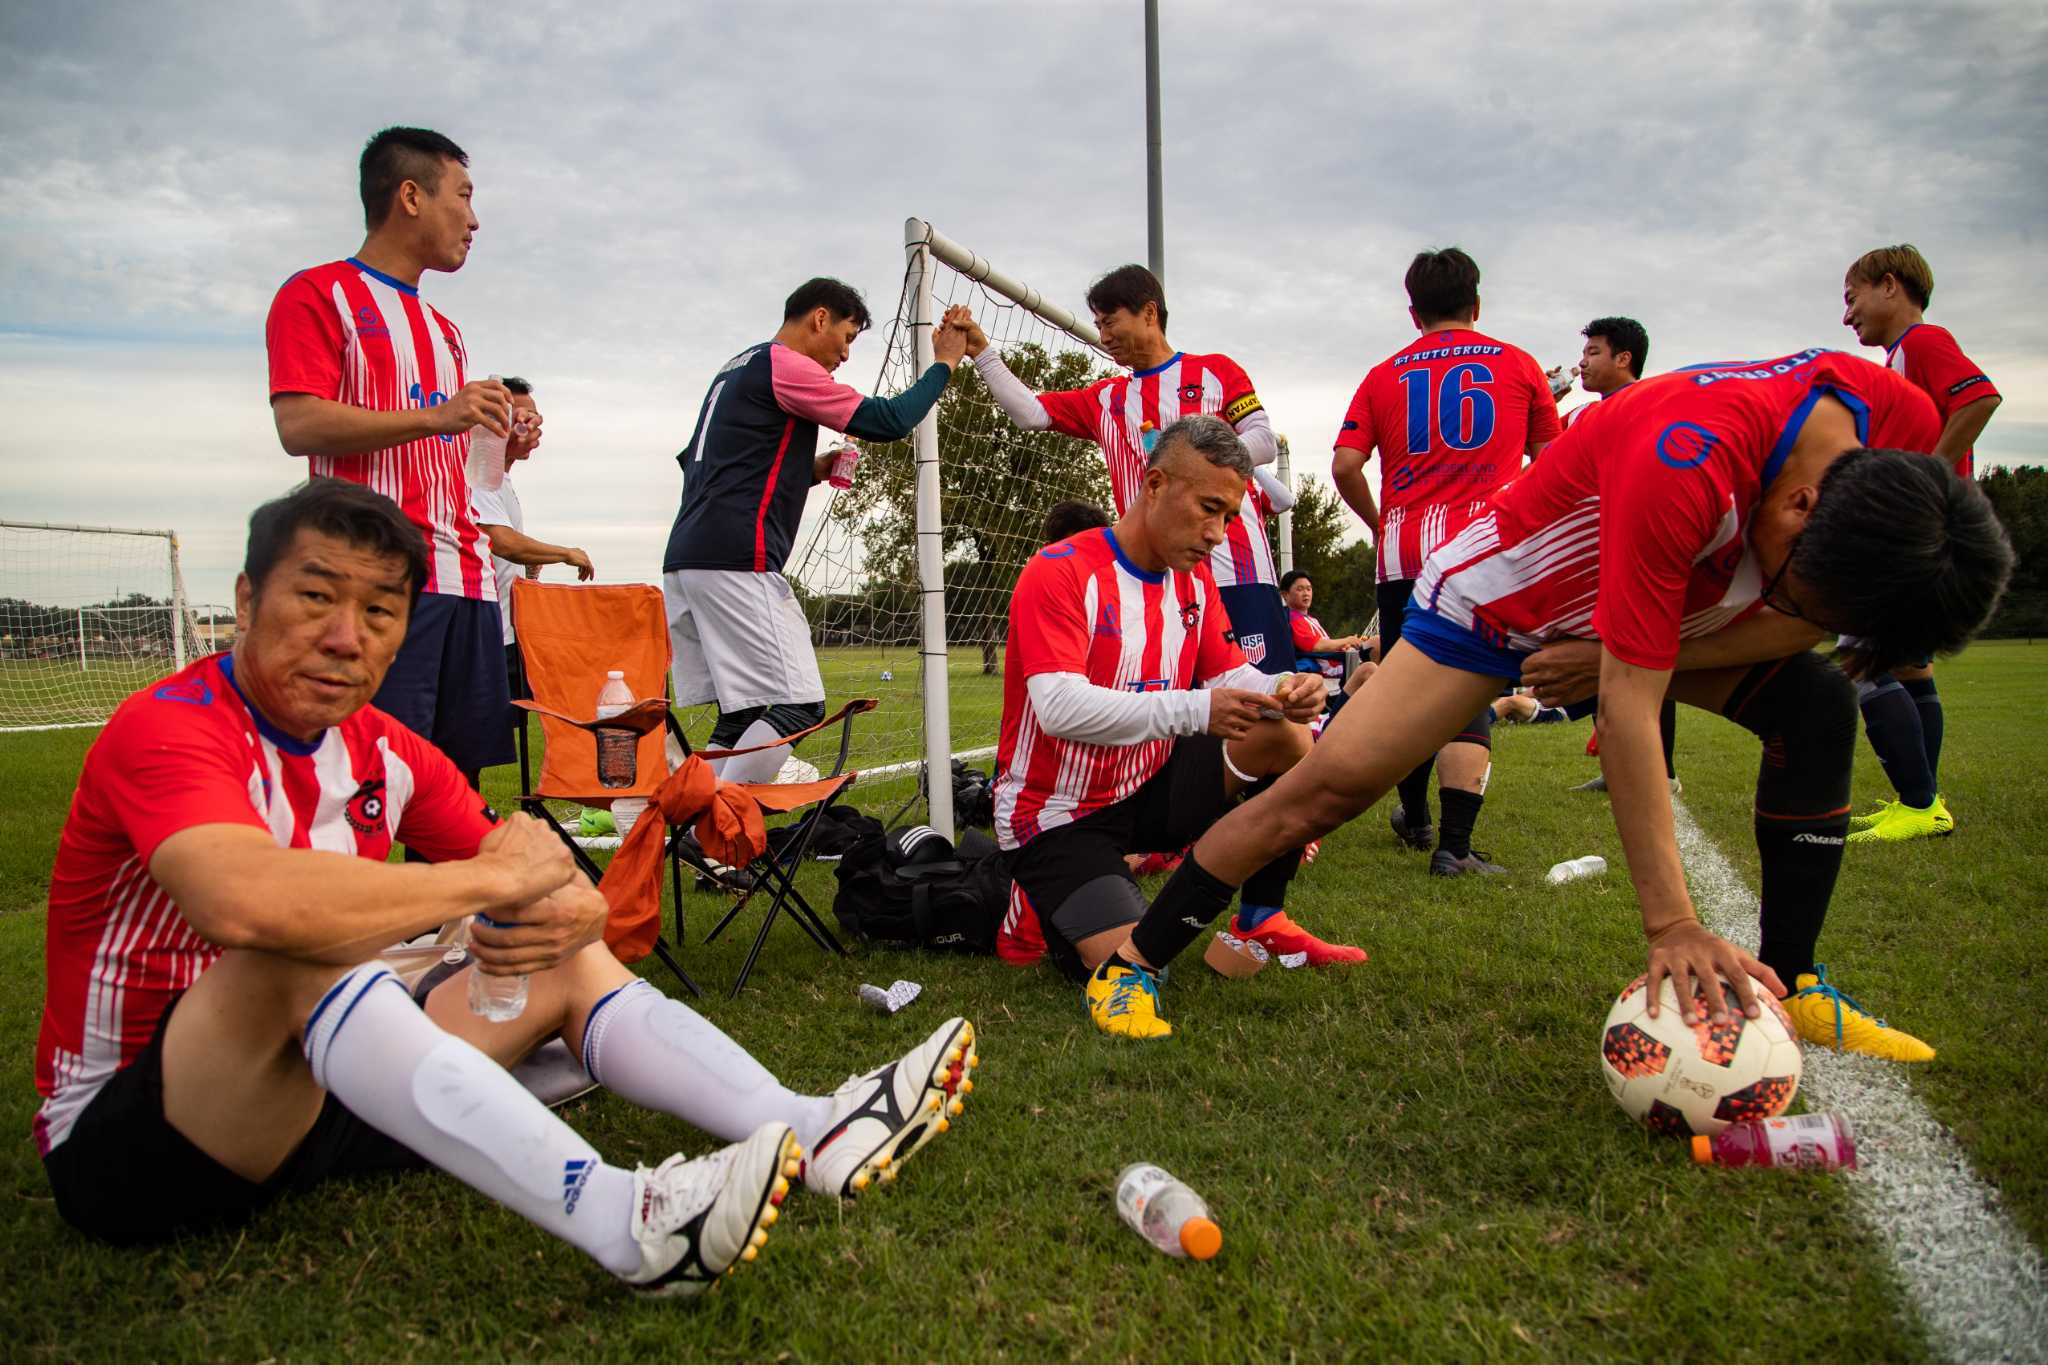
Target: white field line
1973 1277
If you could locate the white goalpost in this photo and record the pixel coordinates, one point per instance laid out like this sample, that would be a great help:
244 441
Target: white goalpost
88 614
916 561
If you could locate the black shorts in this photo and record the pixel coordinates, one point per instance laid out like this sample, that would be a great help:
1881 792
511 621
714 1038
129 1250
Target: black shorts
1170 811
1392 599
125 1175
448 682
1261 626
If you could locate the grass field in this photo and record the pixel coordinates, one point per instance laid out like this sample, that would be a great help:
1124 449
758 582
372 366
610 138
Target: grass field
1411 1159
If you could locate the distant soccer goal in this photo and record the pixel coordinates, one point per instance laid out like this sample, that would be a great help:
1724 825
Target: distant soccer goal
909 574
88 614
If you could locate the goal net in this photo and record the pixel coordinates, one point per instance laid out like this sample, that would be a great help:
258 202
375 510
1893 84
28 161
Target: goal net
906 579
89 614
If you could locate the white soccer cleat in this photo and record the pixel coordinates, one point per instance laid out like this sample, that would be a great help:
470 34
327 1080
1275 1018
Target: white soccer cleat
696 1218
880 1119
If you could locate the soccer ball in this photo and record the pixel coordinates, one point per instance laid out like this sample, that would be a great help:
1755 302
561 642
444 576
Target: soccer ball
1682 1079
888 676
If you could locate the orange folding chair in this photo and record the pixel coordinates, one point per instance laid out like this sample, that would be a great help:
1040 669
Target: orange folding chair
570 636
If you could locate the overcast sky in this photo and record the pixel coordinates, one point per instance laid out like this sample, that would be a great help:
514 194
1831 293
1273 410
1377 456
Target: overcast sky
652 179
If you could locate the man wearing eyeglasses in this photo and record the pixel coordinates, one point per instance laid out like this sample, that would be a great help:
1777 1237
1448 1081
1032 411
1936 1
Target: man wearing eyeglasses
1706 528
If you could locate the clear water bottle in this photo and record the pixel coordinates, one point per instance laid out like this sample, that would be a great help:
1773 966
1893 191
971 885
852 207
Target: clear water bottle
496 998
1592 865
486 467
1811 1142
616 747
843 461
1166 1213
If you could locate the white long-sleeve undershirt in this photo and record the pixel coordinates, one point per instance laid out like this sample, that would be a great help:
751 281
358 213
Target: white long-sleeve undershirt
1012 394
1068 706
1278 494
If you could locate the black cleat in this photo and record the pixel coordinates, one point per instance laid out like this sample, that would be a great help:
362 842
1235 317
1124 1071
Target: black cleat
1420 838
1443 864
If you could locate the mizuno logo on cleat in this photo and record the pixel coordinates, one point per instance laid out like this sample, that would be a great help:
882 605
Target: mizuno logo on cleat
1831 840
575 1175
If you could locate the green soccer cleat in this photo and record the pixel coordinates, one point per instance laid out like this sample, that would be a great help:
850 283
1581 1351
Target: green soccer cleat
1900 822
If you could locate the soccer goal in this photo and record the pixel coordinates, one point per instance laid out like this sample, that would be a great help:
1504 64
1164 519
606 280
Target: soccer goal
88 614
907 577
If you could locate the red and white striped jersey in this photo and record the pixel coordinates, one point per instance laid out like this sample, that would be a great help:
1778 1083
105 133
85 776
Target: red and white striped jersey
1633 527
1114 413
350 334
190 751
1452 414
1081 607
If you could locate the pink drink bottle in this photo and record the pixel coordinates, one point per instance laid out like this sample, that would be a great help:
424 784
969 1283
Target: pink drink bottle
1813 1142
842 466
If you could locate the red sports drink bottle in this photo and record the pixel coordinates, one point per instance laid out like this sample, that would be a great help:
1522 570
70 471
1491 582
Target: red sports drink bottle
1814 1142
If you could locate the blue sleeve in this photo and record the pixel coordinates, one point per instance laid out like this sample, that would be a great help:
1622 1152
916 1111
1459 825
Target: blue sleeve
892 419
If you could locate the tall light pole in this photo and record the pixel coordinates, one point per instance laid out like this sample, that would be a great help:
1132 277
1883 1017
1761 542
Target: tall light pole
1154 216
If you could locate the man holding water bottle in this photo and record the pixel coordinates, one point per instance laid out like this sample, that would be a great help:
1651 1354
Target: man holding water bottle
367 383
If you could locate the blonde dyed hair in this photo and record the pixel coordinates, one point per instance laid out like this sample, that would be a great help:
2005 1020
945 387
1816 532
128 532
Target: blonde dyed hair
1903 263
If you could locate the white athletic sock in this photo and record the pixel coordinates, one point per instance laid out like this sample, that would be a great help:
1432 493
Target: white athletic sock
395 1069
760 767
642 1046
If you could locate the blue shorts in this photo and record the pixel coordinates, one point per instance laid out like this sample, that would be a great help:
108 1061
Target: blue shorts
1259 623
448 682
1460 647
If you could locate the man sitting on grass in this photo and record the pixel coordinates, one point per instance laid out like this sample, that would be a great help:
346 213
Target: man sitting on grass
1131 721
1706 527
218 1030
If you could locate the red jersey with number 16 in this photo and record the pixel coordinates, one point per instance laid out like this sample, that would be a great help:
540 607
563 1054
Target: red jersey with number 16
1081 607
1452 415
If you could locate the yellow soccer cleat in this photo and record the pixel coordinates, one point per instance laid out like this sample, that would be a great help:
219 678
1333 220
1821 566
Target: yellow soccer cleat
1824 1015
1871 816
1124 1000
1899 822
1944 823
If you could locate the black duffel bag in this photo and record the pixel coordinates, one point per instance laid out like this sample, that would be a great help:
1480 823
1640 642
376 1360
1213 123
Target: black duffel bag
912 888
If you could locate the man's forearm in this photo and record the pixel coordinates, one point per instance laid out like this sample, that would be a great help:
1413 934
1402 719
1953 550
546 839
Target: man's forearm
320 426
520 548
1348 474
1012 394
1765 636
1632 761
1963 427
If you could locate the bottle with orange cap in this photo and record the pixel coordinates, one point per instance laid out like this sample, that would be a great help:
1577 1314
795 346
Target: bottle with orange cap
1812 1142
1166 1213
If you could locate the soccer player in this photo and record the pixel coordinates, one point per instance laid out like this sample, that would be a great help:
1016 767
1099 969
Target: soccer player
1884 297
1706 526
367 382
1451 415
502 519
1613 358
738 633
1310 636
217 1030
1070 517
1131 721
1125 414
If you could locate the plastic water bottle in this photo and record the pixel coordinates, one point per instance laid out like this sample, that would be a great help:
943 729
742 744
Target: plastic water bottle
1810 1142
1166 1213
842 466
496 998
486 467
1592 865
616 747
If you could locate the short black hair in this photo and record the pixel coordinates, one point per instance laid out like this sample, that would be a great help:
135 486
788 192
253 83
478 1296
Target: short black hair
1293 576
840 299
1443 285
347 511
1129 287
516 384
397 155
1623 334
1904 554
1070 517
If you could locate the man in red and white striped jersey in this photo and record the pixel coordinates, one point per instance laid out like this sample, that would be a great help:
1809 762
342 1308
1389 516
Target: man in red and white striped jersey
1125 414
1131 722
1706 527
1452 415
218 1030
367 381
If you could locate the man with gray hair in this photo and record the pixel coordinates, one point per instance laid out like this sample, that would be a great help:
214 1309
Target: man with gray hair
1131 720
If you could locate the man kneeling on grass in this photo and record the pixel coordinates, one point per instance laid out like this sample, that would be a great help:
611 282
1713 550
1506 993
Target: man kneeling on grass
1131 721
1706 526
218 1029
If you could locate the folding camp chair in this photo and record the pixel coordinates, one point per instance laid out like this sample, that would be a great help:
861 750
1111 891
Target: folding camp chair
569 636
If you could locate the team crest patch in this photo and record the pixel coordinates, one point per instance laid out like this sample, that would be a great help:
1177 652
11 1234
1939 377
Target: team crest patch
192 691
1190 393
365 809
1190 614
1254 647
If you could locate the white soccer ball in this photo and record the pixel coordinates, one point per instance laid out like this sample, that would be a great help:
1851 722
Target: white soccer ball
887 676
1683 1079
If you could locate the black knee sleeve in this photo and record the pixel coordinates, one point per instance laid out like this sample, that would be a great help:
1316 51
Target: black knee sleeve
1804 710
731 725
789 717
1479 730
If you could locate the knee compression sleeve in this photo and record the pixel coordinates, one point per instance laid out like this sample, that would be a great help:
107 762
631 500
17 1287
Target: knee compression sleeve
1479 730
1804 711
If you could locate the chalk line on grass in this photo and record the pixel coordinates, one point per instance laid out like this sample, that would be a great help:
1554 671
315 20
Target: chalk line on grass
1974 1279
